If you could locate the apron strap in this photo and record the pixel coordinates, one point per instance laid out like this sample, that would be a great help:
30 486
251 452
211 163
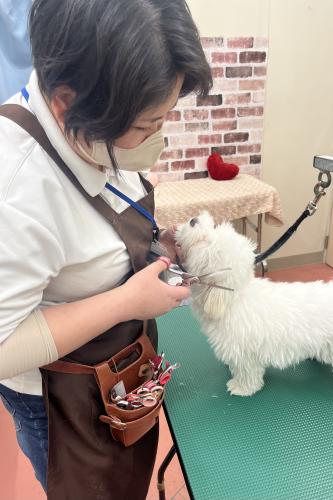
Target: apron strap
26 120
66 367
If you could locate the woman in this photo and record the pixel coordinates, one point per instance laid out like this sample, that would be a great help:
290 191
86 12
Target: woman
73 285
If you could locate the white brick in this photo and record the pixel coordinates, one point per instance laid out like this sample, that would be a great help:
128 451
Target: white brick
222 84
201 163
188 101
260 42
256 136
183 140
173 128
258 97
246 123
170 177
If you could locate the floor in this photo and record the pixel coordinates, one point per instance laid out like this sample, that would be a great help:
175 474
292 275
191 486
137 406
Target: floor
16 476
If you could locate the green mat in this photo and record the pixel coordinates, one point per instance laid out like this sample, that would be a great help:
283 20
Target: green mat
277 444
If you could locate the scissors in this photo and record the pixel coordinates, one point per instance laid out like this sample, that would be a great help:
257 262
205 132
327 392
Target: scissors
190 279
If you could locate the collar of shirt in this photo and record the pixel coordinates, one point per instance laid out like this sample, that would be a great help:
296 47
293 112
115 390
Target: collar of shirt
91 179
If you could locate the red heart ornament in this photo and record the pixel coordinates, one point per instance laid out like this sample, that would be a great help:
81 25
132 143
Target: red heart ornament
219 170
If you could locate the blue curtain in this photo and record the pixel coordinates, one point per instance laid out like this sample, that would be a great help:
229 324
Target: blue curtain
15 56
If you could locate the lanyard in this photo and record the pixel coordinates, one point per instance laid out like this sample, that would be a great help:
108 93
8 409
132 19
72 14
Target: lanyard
114 190
135 205
25 94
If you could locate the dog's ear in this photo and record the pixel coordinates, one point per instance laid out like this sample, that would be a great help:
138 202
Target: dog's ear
215 303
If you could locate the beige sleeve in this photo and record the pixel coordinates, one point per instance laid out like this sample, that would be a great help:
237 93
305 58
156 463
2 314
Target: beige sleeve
30 346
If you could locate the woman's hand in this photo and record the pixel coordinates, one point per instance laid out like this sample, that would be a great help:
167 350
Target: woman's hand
147 296
167 239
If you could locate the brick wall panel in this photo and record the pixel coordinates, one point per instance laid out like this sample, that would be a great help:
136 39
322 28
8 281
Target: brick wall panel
228 121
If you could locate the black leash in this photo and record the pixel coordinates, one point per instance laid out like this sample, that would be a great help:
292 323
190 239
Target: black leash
282 240
319 191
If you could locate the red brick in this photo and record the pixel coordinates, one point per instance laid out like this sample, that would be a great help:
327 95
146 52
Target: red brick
255 159
236 137
196 114
208 42
173 154
224 57
173 116
182 165
249 148
160 167
237 98
224 150
225 125
251 84
260 70
238 72
223 113
210 100
240 43
217 72
210 139
250 111
196 152
195 175
197 126
252 56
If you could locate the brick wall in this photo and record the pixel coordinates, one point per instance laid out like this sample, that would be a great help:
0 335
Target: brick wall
229 120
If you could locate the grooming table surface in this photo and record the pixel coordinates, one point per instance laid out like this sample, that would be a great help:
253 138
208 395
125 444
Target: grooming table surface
277 444
177 202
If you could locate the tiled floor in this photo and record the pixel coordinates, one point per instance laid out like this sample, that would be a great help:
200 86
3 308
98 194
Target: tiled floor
16 478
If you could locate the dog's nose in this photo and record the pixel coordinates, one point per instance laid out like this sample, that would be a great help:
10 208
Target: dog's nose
194 221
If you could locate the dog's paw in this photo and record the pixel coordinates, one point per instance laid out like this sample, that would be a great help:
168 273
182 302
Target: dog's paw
237 389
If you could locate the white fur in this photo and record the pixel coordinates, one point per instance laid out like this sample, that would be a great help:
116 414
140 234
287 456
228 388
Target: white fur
261 323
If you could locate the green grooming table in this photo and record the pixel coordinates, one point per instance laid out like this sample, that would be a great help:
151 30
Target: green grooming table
277 444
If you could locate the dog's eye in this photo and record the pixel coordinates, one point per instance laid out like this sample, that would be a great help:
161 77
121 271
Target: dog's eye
194 221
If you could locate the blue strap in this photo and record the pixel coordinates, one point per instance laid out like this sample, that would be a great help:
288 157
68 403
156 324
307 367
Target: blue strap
135 205
25 94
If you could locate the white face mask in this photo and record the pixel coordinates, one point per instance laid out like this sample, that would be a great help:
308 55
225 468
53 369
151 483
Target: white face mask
143 157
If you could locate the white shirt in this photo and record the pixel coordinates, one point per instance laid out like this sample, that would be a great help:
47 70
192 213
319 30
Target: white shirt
54 246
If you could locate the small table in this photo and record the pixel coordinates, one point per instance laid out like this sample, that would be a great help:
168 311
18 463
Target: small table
274 445
245 195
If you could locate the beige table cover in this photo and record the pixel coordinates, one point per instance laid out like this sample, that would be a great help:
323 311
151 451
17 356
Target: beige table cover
176 202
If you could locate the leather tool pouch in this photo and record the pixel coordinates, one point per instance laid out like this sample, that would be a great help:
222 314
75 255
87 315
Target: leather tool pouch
127 426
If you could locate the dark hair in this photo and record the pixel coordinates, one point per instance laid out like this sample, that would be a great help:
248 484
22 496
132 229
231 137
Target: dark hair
119 56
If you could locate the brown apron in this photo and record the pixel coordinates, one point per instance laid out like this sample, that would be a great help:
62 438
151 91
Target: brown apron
84 462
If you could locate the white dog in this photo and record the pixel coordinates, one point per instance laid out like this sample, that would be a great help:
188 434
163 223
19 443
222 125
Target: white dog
260 323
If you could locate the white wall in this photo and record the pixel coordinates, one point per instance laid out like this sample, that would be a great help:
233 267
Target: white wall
231 17
299 99
299 113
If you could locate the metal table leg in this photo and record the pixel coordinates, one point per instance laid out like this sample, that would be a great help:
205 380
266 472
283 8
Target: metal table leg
161 472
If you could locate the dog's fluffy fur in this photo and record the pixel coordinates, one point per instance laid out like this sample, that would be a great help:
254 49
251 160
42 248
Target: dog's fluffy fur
261 323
